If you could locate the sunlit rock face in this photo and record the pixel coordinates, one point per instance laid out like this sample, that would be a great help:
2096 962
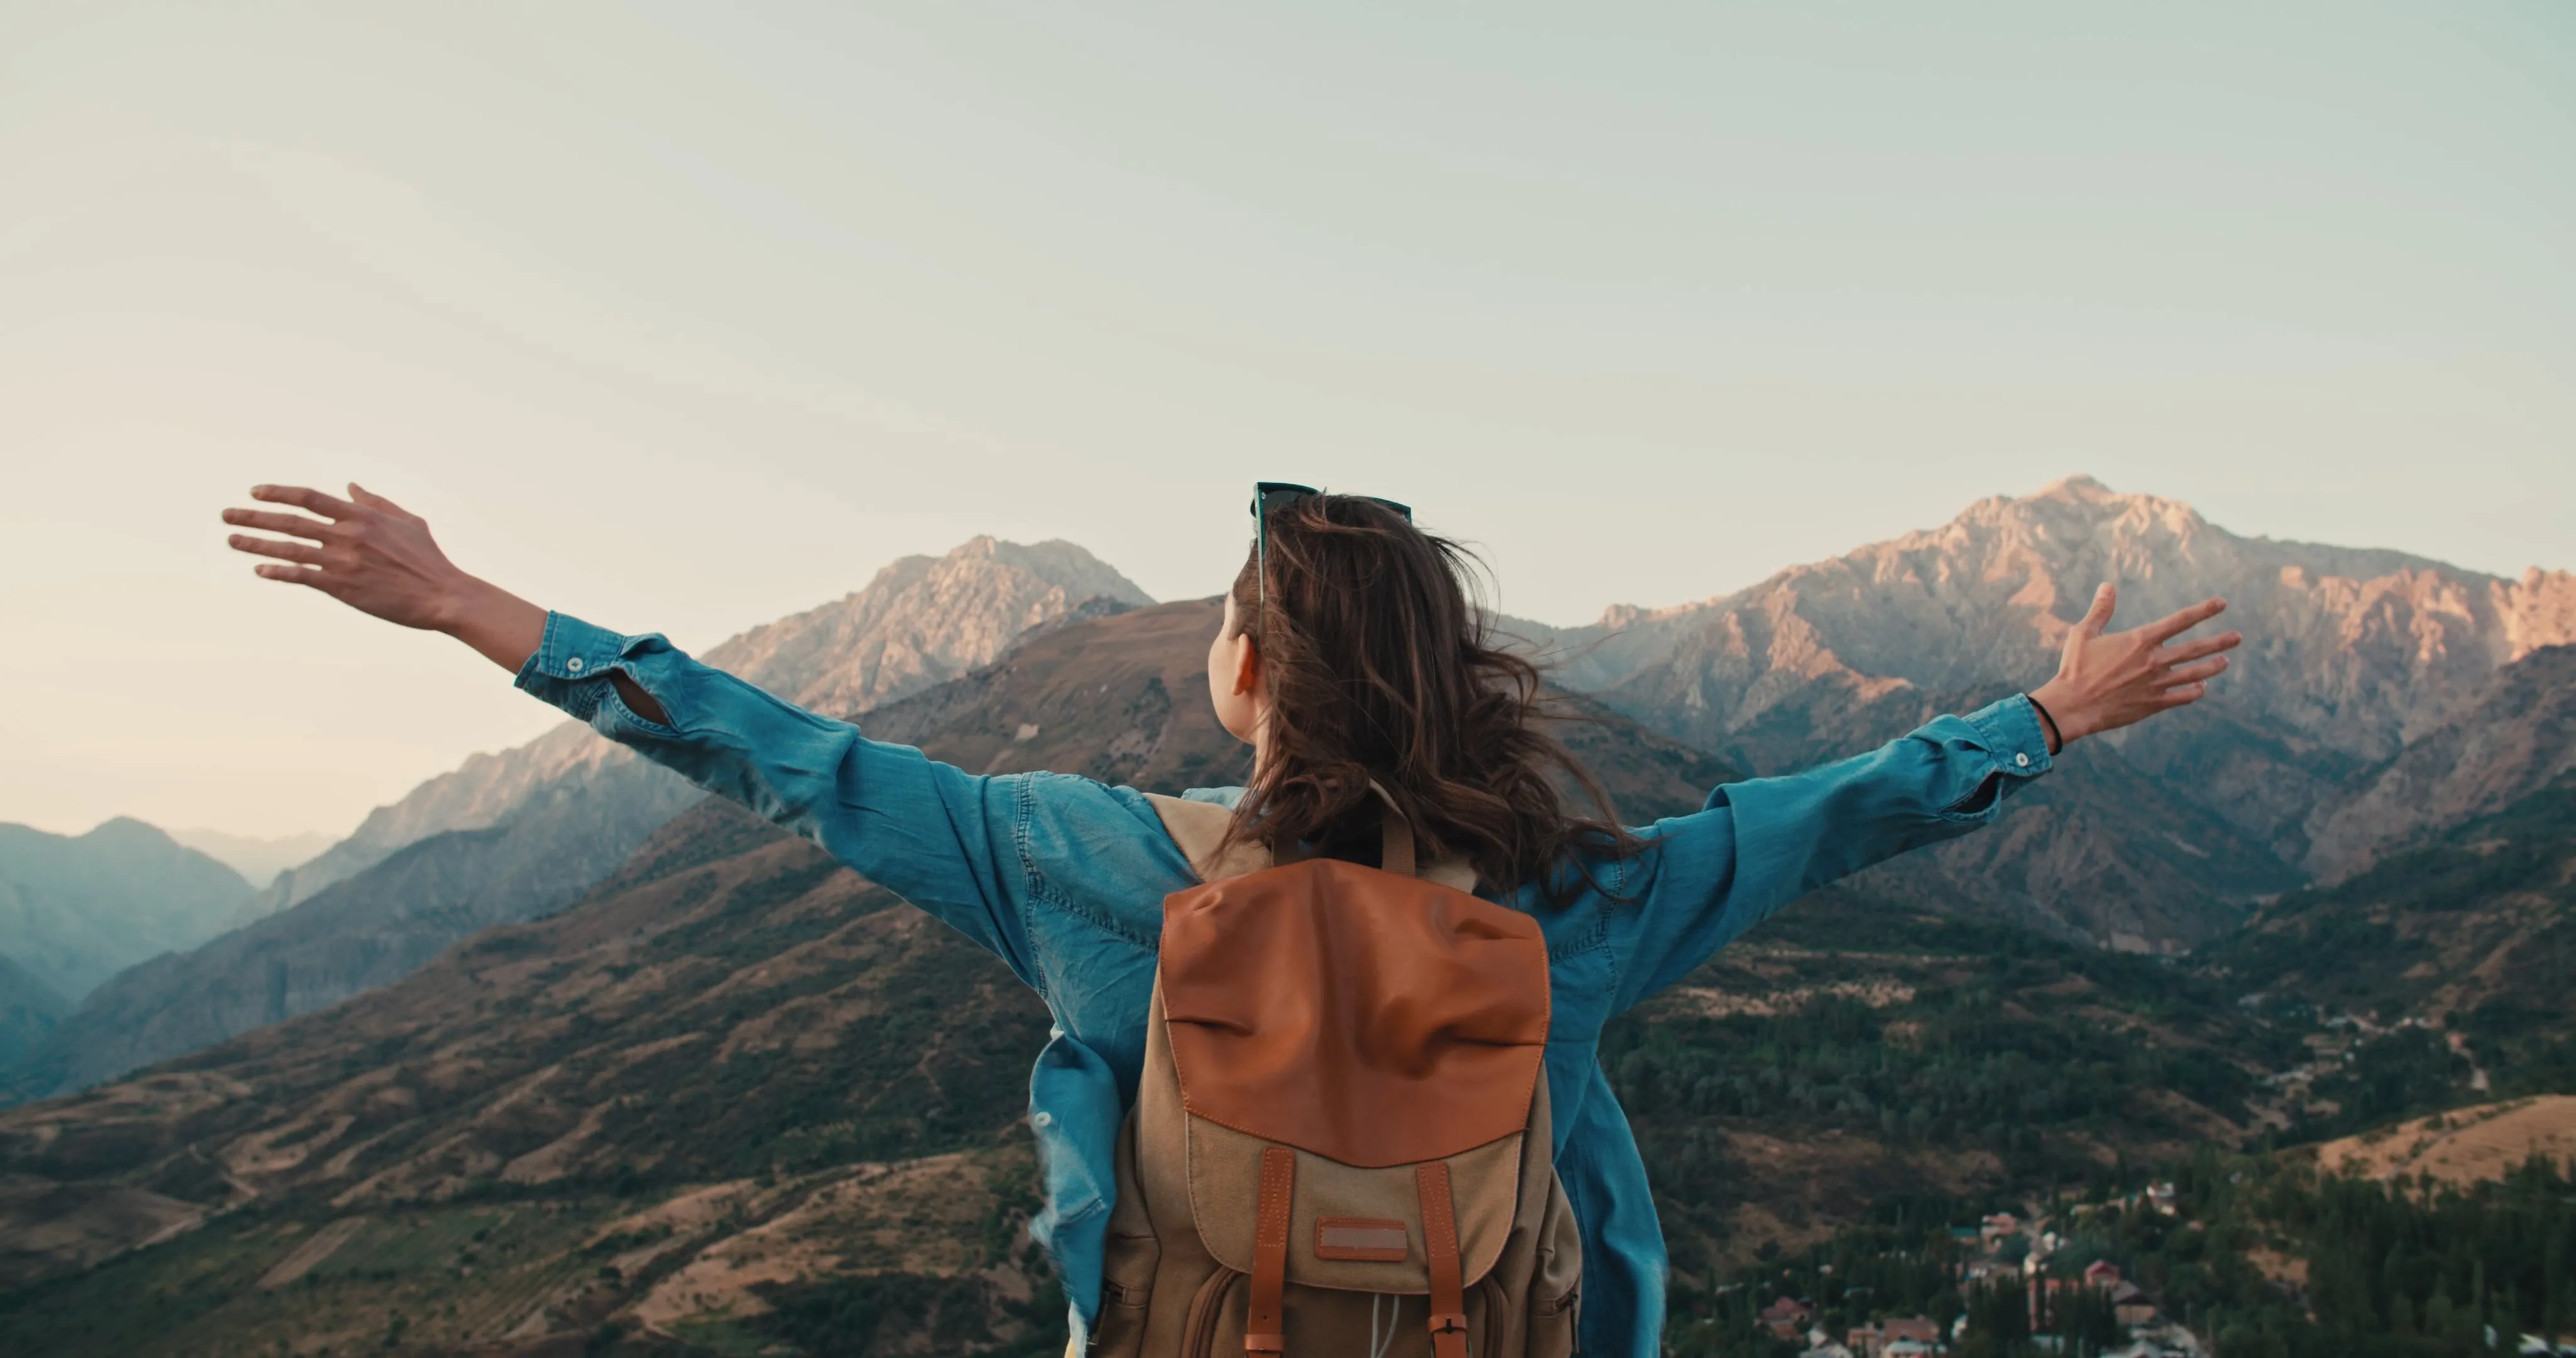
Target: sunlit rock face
2350 652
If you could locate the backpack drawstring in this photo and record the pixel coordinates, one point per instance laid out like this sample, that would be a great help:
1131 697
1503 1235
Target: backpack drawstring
1378 1347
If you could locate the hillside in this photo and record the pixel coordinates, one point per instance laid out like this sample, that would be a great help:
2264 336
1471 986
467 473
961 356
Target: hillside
1853 1051
29 1009
2515 736
76 909
2449 969
2463 1146
518 835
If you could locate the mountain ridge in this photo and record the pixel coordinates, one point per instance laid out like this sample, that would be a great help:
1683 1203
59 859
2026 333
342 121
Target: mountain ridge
2351 652
918 621
76 909
522 833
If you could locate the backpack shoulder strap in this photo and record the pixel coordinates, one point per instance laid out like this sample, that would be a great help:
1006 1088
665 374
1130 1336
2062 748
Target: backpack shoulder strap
1198 827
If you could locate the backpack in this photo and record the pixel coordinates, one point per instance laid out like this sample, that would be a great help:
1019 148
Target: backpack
1340 1144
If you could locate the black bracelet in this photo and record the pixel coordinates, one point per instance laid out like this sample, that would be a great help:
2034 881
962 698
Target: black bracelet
2056 737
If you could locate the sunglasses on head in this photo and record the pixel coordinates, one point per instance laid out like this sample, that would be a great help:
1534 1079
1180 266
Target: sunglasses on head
1268 498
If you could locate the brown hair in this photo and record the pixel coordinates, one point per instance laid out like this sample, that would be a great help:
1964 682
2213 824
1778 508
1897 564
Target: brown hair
1381 664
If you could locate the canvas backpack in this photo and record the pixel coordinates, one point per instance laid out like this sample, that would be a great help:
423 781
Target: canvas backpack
1340 1145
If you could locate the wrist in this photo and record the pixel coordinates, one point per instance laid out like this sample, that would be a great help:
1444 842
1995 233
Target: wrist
2063 712
453 609
504 628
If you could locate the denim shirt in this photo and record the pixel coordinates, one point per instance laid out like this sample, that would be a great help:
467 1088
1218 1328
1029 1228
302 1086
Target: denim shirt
1064 878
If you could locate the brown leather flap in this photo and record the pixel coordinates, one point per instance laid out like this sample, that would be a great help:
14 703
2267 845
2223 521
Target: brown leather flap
1225 1190
1372 1019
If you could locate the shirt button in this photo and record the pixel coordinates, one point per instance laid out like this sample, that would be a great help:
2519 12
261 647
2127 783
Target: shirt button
1042 1118
573 664
2021 759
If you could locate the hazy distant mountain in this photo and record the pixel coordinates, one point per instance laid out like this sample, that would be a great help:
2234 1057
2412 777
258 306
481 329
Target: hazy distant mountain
517 835
257 860
29 1009
369 931
76 909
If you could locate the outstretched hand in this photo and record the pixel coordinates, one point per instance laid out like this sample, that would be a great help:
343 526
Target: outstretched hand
365 551
378 558
2105 682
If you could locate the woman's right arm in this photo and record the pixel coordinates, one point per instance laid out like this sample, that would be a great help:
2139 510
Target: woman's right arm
942 839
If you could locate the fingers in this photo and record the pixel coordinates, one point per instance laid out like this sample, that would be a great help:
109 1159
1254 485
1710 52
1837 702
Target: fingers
2192 674
2167 628
283 551
2177 697
293 525
2105 599
293 575
303 497
2194 650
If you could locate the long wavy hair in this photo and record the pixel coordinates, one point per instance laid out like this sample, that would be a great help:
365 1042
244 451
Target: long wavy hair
1381 663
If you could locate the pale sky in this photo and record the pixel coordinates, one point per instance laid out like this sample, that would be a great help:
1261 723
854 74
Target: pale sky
686 317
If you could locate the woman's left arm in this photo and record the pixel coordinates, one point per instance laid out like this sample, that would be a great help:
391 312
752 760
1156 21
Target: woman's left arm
1760 844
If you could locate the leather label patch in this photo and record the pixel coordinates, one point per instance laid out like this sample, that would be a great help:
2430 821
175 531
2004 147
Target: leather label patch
1365 1239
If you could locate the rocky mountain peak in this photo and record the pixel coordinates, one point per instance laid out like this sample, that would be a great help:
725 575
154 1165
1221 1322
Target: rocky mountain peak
2351 652
2539 610
921 620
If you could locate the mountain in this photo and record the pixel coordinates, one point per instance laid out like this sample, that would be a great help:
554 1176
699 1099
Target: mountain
75 909
1123 700
2351 654
368 931
2350 651
518 835
29 1009
2515 736
257 860
920 621
2457 955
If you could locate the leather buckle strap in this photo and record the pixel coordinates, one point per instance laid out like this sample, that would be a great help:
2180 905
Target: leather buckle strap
1440 1242
1265 1323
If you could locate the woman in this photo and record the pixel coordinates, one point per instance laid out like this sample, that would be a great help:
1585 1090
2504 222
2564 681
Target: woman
1350 652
